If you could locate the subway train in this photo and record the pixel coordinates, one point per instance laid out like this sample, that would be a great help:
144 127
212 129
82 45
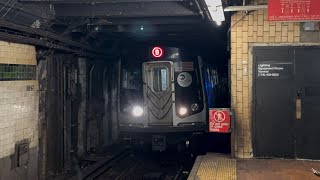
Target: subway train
163 99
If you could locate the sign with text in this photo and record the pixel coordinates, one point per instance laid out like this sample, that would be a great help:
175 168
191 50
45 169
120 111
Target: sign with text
219 120
294 10
273 70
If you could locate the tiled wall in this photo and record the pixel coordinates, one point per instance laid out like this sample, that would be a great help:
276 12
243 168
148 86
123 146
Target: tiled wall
9 72
18 99
12 53
247 31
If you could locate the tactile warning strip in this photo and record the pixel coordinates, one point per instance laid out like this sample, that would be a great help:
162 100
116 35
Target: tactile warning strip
214 167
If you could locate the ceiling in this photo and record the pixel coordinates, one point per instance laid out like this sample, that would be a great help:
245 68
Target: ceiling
101 26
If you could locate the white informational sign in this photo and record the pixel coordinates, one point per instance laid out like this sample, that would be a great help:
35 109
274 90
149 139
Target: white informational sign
274 70
184 79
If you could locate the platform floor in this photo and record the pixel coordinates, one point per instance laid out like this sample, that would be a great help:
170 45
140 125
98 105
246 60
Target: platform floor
221 167
213 167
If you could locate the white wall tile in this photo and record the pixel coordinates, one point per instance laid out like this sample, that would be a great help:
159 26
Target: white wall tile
18 115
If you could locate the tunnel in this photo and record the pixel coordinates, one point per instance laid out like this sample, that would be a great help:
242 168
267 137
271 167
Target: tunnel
157 89
87 61
83 59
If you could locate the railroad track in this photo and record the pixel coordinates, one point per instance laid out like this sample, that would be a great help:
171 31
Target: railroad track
125 164
106 166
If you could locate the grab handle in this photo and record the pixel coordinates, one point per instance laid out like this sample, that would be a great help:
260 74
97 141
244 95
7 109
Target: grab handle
298 105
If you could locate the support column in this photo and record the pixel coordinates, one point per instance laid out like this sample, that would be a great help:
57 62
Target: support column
115 101
82 112
42 77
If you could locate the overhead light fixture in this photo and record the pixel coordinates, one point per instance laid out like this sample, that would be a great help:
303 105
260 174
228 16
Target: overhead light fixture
216 11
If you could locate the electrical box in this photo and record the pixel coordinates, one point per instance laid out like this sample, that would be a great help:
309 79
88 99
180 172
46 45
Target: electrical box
22 152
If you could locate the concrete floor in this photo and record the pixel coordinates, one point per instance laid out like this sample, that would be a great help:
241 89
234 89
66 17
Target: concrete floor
276 169
214 166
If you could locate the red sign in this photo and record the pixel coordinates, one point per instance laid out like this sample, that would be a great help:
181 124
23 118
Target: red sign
219 120
294 10
157 52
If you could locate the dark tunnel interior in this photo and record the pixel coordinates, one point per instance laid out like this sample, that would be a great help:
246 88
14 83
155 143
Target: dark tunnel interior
81 54
159 89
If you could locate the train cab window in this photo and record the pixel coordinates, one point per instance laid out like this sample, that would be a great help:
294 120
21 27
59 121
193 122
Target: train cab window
131 87
160 79
131 79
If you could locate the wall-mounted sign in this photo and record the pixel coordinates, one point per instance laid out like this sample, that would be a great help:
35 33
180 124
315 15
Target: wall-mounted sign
30 88
294 10
272 70
219 120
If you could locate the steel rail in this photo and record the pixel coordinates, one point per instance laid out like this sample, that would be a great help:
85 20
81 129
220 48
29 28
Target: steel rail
103 166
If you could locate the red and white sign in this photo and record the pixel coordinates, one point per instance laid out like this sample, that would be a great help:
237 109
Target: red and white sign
157 52
219 120
294 10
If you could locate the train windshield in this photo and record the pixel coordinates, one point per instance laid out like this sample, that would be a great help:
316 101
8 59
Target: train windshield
131 79
131 87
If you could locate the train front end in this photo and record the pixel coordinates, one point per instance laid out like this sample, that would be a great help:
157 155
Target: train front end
169 95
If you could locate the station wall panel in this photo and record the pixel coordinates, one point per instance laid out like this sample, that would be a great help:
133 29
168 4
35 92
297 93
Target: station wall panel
248 30
19 101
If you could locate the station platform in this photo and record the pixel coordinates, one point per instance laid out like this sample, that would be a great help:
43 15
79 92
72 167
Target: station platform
222 167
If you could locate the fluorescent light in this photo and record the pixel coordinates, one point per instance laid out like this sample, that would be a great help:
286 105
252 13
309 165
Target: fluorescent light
215 10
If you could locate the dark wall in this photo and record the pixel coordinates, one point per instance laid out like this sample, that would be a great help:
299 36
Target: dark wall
58 110
103 90
54 119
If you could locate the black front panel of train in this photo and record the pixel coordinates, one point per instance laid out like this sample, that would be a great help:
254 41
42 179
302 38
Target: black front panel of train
188 88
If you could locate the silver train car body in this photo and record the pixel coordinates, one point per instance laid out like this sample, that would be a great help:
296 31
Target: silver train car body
173 97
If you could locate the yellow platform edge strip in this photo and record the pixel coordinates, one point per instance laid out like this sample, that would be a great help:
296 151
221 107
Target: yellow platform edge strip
214 167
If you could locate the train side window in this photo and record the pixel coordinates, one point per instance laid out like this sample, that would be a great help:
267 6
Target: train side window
160 79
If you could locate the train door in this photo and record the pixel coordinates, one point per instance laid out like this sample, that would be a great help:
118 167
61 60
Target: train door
158 92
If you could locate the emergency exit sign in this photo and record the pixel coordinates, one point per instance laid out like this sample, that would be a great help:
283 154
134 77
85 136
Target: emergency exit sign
294 10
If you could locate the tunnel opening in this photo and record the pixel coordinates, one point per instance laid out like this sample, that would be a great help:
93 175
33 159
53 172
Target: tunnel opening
212 48
95 89
110 83
92 93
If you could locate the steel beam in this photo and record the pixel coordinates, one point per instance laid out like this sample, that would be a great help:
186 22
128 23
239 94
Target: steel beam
245 8
154 9
12 36
94 1
43 33
145 21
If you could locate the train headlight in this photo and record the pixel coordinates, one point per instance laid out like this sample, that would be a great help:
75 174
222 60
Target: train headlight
137 111
183 111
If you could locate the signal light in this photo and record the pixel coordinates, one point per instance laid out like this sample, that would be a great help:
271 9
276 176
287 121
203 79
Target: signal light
157 52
